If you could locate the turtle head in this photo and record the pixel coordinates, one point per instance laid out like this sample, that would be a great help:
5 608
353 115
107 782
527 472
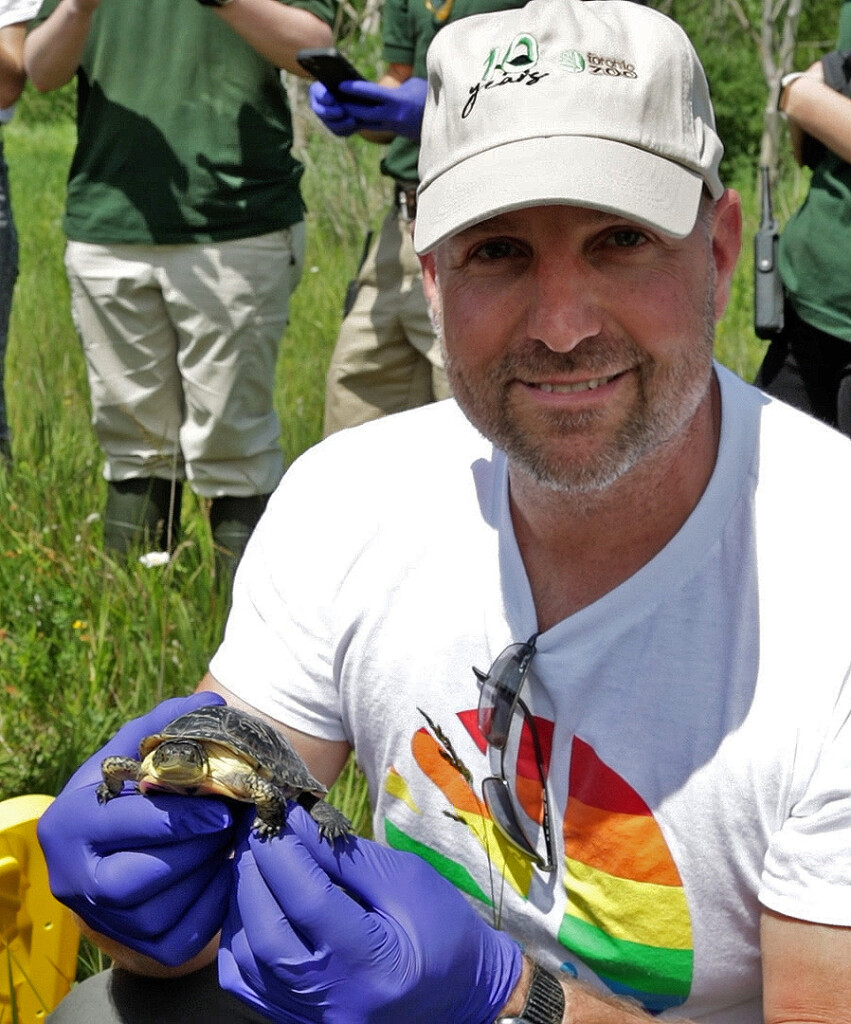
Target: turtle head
176 764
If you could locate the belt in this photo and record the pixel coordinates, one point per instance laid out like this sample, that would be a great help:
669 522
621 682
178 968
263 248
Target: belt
405 198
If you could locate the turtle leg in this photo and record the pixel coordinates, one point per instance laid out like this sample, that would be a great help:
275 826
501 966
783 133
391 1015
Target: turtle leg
116 771
332 823
271 807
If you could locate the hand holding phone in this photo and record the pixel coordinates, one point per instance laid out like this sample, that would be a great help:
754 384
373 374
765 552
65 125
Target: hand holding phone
362 105
328 66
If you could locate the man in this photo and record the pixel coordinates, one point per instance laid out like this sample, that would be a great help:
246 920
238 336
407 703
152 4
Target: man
648 788
185 227
13 19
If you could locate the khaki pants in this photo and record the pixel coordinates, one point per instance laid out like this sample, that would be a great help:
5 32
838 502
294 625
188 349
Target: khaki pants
181 343
386 358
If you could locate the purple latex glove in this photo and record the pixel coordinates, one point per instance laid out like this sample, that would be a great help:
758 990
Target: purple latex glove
355 933
151 872
372 107
330 111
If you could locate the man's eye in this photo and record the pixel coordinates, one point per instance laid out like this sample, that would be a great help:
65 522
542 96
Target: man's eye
498 249
627 238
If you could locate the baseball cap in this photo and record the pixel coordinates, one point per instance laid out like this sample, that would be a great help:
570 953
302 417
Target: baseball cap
597 103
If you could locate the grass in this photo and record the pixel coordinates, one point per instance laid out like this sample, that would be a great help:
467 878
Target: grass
86 642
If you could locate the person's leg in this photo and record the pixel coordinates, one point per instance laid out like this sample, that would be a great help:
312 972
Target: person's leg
8 275
130 350
229 303
142 512
418 326
799 369
118 997
375 369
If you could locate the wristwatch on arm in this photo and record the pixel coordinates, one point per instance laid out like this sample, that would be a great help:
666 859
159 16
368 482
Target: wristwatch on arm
544 1000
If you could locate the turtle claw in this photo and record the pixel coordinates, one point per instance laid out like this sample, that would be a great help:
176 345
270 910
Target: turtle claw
104 793
266 829
332 823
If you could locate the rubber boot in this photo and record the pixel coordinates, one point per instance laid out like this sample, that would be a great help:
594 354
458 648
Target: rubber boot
141 514
232 521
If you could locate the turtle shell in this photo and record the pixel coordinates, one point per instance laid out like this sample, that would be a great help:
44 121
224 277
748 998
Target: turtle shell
256 742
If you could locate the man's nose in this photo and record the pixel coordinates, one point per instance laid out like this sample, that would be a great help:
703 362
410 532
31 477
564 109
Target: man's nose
561 303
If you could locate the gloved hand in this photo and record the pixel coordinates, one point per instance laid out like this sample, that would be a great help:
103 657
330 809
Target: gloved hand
372 107
151 872
355 933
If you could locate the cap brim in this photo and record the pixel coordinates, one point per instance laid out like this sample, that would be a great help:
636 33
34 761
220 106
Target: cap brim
558 170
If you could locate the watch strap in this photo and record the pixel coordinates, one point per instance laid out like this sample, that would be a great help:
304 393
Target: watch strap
544 1000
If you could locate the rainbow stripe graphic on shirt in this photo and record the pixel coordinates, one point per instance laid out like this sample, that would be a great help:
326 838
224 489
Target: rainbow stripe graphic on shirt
626 915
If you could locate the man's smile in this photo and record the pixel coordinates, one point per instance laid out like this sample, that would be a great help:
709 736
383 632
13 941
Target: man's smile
582 385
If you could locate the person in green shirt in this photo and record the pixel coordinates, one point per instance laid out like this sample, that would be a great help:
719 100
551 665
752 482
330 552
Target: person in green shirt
184 221
808 364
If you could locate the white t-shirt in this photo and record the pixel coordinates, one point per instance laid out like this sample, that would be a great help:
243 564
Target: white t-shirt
13 12
695 720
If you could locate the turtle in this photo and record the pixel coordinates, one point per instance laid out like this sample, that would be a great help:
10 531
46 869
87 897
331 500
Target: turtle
222 750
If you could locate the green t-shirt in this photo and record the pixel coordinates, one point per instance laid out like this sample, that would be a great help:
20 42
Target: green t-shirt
408 27
183 130
814 254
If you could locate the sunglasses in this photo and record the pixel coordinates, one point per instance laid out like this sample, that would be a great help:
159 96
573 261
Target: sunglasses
499 701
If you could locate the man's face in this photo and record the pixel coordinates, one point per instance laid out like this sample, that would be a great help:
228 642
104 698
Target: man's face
578 341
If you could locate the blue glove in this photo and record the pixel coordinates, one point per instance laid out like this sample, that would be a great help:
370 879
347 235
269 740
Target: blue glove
151 872
372 107
355 933
331 111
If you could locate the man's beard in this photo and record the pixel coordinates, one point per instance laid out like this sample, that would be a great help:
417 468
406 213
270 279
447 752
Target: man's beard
668 397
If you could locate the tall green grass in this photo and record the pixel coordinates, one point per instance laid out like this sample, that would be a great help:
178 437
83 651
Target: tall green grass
86 641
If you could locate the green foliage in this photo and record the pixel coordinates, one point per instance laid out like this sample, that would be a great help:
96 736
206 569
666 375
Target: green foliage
47 108
734 71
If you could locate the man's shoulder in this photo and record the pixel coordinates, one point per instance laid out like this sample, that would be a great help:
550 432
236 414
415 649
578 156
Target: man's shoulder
779 424
800 466
419 432
436 440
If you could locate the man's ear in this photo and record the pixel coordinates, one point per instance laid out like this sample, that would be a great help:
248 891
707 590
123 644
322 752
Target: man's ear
432 293
726 245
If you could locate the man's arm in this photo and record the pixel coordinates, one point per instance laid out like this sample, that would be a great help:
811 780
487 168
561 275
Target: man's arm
805 971
53 49
805 980
12 74
275 30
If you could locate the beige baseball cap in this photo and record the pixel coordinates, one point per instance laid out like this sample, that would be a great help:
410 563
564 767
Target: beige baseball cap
596 103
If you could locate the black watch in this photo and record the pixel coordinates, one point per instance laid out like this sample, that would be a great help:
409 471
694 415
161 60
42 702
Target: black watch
544 1002
214 3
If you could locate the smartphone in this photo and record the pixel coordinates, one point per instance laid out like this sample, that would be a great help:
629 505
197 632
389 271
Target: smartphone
328 66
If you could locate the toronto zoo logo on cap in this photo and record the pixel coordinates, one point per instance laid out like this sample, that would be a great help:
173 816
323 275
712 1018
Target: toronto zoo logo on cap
516 66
